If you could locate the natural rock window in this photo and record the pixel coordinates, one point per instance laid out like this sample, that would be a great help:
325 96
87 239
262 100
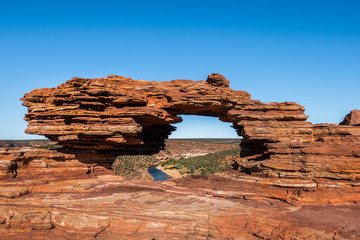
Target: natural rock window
99 119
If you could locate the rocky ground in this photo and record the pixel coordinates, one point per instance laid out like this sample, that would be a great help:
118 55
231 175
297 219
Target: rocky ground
49 200
228 205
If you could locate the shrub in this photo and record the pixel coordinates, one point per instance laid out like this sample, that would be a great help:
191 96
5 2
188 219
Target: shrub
132 166
207 164
50 146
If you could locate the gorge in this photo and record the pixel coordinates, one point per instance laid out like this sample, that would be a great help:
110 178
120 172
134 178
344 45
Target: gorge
296 180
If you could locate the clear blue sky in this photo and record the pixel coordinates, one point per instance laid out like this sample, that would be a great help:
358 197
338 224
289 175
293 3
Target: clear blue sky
300 50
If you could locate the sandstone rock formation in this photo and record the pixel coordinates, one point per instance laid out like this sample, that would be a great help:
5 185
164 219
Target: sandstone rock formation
217 80
352 119
106 117
227 206
122 114
298 180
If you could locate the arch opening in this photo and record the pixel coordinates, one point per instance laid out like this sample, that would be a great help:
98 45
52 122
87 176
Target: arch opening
200 145
195 126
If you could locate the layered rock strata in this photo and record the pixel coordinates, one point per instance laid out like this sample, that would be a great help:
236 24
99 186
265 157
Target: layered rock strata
117 115
230 205
352 119
299 180
122 114
27 164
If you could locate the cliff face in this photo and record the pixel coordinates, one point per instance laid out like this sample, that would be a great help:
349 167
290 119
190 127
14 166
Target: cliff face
227 206
297 180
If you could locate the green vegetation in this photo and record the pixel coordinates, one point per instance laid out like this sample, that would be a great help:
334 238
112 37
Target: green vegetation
207 164
132 166
50 146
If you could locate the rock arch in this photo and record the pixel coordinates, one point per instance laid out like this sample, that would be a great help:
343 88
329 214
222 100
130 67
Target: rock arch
96 119
119 115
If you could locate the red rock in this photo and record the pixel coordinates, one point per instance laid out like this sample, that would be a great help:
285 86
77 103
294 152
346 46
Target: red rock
230 205
117 115
302 180
352 119
218 80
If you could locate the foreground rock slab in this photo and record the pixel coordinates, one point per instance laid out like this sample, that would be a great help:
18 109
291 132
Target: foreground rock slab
230 205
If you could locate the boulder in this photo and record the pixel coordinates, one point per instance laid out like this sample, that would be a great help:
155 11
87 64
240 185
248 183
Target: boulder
352 119
216 79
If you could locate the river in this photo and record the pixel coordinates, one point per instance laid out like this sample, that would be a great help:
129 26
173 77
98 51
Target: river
157 174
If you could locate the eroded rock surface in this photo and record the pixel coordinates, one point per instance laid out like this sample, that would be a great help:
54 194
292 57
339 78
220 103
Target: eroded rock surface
122 114
218 80
298 180
352 119
230 205
117 115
